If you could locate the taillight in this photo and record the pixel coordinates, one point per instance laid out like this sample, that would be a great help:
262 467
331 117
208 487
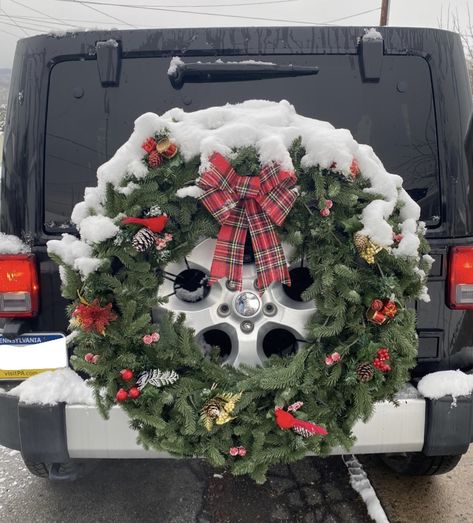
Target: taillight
460 278
19 289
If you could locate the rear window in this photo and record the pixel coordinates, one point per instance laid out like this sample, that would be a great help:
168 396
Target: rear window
86 123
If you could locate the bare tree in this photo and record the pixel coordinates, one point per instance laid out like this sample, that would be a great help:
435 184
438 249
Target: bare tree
451 20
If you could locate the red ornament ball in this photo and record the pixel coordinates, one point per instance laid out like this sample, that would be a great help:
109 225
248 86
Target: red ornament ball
122 395
134 393
325 212
89 357
126 374
328 204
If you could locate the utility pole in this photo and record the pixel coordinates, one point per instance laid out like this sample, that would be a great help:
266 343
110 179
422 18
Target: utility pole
383 20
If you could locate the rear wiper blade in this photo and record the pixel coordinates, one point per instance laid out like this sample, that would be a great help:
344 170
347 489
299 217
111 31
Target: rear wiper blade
197 72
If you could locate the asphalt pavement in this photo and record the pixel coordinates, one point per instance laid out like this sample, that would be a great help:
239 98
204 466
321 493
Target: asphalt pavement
177 491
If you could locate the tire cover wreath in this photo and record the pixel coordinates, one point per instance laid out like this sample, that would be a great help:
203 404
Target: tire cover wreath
183 177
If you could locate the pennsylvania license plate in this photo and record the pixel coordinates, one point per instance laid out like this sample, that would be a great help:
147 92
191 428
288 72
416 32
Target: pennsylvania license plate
30 354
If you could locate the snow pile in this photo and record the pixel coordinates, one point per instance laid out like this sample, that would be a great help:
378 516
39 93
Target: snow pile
74 253
53 387
192 191
446 383
372 34
360 482
271 128
173 66
96 229
108 43
10 244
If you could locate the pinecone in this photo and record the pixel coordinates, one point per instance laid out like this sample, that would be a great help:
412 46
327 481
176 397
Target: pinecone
212 409
154 159
365 371
143 239
303 432
361 241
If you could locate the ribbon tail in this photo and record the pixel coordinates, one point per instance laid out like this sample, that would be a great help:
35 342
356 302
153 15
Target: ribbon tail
229 250
270 261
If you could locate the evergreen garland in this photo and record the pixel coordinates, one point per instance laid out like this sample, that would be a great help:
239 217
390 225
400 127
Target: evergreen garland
169 418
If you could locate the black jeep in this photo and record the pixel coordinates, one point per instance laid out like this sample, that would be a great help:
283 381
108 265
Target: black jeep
73 100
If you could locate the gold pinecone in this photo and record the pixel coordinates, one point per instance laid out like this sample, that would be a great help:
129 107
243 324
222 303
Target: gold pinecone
361 241
365 371
212 409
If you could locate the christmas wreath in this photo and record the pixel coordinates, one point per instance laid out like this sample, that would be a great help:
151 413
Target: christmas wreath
261 171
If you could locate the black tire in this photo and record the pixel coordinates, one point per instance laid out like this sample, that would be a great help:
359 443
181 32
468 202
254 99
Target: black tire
418 464
38 469
69 471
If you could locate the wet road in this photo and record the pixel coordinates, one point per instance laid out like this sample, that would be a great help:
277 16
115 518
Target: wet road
174 491
178 491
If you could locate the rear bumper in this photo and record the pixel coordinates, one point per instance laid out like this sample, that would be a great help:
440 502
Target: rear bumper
391 429
56 434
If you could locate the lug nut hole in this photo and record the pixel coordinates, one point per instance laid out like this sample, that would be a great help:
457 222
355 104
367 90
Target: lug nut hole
270 309
223 310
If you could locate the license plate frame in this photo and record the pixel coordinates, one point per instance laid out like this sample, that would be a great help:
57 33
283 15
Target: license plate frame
32 353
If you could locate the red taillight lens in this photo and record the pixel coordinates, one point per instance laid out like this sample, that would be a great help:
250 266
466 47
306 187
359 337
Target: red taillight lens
460 278
19 289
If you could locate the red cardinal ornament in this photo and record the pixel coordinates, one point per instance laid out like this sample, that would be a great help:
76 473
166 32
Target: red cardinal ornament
155 224
286 420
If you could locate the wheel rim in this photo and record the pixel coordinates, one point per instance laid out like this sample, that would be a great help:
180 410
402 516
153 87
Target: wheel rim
246 317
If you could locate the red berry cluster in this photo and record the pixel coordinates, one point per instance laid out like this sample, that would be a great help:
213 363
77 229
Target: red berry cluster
380 361
326 210
133 393
91 358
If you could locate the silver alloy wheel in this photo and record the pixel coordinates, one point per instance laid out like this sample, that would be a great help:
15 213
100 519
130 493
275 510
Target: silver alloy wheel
245 316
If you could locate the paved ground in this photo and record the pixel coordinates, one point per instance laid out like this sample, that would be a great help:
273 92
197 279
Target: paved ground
173 491
436 499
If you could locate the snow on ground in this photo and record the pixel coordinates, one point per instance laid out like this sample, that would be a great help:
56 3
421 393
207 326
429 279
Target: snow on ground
53 387
271 128
10 244
446 383
360 482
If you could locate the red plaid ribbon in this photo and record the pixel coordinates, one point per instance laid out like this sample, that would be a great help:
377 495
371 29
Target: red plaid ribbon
240 203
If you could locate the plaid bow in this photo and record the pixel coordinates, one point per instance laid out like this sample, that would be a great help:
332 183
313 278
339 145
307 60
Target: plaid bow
240 203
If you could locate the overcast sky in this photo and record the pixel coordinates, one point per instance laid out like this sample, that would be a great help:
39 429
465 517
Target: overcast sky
19 18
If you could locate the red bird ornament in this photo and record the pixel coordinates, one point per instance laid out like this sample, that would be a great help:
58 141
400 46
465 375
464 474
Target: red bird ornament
285 420
155 224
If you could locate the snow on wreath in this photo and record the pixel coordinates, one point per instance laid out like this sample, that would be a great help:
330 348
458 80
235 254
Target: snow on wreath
259 169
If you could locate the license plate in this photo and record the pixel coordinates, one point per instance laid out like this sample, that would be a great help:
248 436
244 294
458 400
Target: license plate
30 354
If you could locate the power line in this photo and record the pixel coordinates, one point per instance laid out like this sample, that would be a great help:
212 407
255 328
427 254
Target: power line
4 31
29 8
354 15
158 6
102 12
304 22
27 27
10 18
48 18
36 22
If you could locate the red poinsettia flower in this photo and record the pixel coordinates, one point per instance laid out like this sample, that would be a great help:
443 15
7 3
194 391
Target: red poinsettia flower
94 317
